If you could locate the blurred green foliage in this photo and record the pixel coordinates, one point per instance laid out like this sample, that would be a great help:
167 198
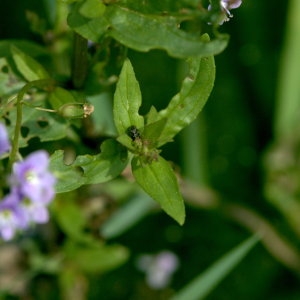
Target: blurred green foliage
232 138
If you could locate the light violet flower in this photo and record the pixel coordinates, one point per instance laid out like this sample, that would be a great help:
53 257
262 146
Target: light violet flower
35 212
158 268
32 179
226 6
230 4
4 141
11 217
31 190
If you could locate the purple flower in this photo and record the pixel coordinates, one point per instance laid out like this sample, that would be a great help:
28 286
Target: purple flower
35 212
4 141
11 217
32 179
230 4
158 268
31 190
226 6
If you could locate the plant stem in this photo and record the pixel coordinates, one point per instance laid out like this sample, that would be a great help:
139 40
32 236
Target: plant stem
288 91
80 61
194 151
15 143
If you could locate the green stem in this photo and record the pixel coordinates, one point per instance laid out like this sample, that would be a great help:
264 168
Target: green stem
194 152
288 90
42 83
80 61
15 143
194 145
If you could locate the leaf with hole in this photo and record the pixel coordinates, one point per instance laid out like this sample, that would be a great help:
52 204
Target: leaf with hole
89 169
144 32
37 124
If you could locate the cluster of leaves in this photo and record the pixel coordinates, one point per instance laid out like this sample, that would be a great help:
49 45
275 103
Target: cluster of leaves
51 109
139 28
97 21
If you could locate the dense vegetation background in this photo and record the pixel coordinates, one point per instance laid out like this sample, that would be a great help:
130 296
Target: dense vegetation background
223 153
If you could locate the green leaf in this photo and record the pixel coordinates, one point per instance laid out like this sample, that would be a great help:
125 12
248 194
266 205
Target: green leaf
159 181
144 32
39 124
59 96
127 100
126 141
153 131
286 118
187 104
96 258
90 28
156 6
27 47
152 116
103 167
202 285
89 169
6 78
68 177
103 114
71 220
50 10
29 68
92 8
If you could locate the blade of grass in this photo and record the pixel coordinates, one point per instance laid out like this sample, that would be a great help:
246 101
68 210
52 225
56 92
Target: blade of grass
127 216
288 92
202 285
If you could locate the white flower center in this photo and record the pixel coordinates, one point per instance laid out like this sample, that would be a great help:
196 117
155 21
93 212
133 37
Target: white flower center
32 177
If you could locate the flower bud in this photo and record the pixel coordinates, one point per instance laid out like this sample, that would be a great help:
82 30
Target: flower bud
75 110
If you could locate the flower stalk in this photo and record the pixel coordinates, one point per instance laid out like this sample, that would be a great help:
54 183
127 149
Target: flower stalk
41 83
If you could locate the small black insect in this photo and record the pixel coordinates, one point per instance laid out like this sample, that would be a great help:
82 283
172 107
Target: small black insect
133 133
